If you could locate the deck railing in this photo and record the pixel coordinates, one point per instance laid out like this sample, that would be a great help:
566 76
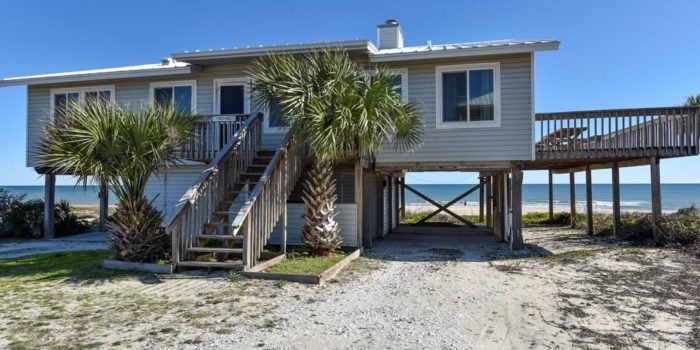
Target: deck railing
199 202
212 133
261 211
618 133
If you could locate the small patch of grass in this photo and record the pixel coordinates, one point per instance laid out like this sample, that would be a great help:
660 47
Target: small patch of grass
234 276
303 263
84 264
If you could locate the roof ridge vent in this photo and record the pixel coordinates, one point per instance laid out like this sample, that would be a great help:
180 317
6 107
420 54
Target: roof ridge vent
166 61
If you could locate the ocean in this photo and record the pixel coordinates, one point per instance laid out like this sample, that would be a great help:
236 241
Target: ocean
632 196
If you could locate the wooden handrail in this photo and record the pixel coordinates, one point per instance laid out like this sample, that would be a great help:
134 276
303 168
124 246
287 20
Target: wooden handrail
260 213
201 200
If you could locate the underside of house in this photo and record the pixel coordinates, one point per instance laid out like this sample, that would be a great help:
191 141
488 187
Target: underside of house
238 189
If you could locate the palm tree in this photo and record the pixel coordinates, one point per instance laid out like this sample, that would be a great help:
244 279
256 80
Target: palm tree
120 147
693 101
343 111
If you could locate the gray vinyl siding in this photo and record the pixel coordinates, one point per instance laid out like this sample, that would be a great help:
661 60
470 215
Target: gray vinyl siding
511 141
167 190
135 93
347 220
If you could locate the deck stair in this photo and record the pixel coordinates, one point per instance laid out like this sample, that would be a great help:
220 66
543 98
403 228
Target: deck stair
226 218
220 243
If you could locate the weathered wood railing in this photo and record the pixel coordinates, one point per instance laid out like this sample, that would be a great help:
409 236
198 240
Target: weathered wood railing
672 131
212 133
201 200
261 211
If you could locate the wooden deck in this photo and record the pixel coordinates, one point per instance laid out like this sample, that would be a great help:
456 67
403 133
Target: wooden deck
572 139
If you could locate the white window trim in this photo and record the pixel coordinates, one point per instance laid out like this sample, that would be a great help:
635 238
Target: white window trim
496 122
403 72
81 91
232 81
270 129
173 84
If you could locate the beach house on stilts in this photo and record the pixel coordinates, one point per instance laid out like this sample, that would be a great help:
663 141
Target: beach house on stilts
239 181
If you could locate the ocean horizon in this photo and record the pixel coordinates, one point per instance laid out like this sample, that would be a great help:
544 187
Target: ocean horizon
633 197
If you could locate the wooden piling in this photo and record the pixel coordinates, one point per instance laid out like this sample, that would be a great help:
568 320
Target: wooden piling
655 193
49 203
589 200
551 196
516 199
572 198
616 199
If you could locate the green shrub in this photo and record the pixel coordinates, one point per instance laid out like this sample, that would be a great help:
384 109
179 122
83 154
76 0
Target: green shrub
22 218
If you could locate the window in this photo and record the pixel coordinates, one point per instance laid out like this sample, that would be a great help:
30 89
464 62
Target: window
231 96
179 94
468 96
401 81
275 122
61 99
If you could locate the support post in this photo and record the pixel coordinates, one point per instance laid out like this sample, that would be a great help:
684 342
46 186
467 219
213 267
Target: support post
364 237
572 198
390 201
589 200
616 200
49 203
551 196
481 198
397 211
489 201
498 206
655 193
104 206
402 181
516 198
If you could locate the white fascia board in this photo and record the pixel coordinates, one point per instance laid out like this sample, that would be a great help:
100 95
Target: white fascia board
466 52
79 77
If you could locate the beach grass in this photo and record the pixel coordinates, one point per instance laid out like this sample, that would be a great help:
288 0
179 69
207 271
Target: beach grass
304 263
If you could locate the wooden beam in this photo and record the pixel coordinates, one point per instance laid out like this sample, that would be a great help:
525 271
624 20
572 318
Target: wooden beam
49 203
482 180
497 206
572 198
104 206
616 201
517 196
655 193
589 201
390 202
600 165
551 195
440 206
489 201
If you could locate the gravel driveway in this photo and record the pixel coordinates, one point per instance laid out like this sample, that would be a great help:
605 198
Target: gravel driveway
84 241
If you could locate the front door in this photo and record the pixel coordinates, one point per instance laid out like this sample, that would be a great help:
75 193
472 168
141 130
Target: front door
232 96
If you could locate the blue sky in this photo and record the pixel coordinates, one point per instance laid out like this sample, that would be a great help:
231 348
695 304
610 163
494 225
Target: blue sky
613 53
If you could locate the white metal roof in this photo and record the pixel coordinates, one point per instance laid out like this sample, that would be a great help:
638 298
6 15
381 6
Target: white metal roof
252 51
463 49
168 67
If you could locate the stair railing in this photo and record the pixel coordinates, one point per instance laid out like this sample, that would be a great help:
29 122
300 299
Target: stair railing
261 211
200 201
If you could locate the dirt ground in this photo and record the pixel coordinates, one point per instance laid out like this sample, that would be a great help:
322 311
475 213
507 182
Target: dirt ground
412 290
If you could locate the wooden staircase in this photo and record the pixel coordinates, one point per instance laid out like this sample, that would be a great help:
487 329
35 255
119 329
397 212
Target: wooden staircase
225 219
220 243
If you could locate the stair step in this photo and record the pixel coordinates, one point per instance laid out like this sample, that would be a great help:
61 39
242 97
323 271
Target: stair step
229 201
225 213
220 224
215 250
215 264
223 237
